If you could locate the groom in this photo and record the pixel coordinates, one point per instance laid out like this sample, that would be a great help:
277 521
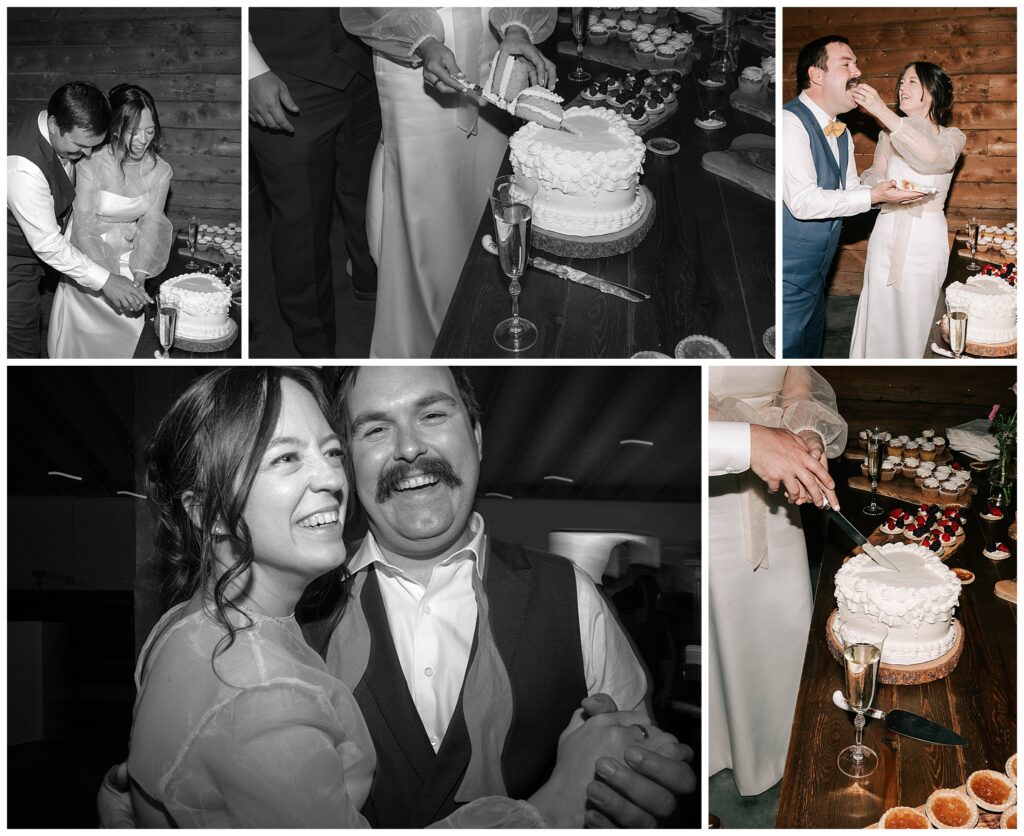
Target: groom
820 187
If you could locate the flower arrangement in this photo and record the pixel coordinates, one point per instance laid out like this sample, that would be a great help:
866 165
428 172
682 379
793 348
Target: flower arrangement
1003 425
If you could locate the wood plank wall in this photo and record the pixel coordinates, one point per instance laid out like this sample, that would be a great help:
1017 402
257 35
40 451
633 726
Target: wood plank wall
908 400
189 59
977 47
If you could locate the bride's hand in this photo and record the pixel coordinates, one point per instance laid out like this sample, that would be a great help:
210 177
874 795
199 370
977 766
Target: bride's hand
868 99
517 42
562 800
439 66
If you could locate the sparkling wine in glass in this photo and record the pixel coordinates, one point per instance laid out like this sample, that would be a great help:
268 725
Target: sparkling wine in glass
874 462
579 74
512 209
193 238
956 319
972 244
862 656
165 322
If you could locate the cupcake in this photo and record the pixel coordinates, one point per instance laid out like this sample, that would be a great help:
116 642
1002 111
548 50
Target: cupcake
658 39
665 56
940 443
751 82
927 452
909 468
895 448
864 470
911 448
638 38
630 14
888 471
930 488
984 243
202 243
920 475
663 30
649 14
598 34
927 435
862 439
626 29
613 14
646 28
645 53
948 491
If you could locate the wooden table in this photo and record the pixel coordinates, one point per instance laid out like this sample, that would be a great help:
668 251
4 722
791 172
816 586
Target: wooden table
978 700
955 272
708 262
148 342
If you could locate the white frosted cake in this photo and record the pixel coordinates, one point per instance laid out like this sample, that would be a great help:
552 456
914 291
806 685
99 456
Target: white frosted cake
589 181
992 309
202 302
916 603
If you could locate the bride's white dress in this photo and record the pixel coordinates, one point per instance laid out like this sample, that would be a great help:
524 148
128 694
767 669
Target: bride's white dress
119 223
430 177
908 251
759 582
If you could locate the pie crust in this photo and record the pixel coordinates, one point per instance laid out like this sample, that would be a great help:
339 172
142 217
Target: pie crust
951 810
984 784
902 818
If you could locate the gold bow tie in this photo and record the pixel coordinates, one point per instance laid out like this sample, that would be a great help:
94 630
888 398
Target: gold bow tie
834 128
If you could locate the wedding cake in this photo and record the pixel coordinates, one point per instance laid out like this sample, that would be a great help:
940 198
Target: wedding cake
202 302
916 603
588 180
992 309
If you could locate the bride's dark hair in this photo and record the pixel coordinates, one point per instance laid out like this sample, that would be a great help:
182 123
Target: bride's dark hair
127 101
200 468
933 79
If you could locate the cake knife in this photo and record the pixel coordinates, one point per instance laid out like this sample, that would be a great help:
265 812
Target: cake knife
564 271
907 724
850 530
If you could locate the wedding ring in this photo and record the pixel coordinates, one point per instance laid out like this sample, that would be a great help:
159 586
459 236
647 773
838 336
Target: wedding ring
643 731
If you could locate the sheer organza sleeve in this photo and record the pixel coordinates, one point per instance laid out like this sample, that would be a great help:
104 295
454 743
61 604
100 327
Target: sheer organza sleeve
539 22
155 233
924 150
394 32
878 170
87 226
808 402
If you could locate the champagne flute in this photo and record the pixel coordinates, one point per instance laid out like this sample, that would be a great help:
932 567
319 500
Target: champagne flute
512 208
165 322
956 321
862 656
874 462
972 244
579 74
193 237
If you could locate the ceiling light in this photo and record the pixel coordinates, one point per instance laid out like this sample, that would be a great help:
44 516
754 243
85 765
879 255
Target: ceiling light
130 493
496 495
565 479
70 476
638 442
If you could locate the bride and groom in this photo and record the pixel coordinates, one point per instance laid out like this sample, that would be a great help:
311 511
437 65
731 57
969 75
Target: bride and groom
909 248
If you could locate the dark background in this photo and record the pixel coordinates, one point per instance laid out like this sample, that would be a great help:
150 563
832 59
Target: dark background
80 595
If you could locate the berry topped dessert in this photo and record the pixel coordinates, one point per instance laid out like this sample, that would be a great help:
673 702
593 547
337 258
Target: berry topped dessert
996 551
992 513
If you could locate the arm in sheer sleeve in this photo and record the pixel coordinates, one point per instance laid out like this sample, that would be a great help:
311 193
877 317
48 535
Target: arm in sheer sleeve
538 22
87 226
878 170
155 233
394 32
924 150
808 402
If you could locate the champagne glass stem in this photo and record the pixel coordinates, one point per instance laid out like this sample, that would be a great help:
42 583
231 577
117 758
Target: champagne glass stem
858 725
514 290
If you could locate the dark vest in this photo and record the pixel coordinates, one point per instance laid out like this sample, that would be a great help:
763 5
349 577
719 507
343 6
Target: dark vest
808 246
309 43
536 628
27 142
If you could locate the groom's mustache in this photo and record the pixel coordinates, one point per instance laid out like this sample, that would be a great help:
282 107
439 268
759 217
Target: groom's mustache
435 466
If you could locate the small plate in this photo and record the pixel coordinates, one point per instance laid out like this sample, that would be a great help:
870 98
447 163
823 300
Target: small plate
662 146
710 124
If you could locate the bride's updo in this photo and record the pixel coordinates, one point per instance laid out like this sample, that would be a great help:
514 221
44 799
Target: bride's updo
933 79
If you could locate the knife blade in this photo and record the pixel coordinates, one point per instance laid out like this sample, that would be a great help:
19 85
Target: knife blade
850 530
908 724
564 271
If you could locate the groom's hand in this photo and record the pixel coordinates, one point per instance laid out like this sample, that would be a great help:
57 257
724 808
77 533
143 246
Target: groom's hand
113 801
124 295
782 458
888 192
270 102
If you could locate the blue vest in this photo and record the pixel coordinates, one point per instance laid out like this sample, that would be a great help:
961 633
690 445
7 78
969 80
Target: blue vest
535 621
809 246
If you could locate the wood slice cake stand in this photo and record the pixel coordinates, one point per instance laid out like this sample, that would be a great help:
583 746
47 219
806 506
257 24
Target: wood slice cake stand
207 346
983 349
906 491
599 246
904 674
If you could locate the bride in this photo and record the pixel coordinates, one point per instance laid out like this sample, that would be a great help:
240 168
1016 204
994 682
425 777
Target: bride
908 250
119 222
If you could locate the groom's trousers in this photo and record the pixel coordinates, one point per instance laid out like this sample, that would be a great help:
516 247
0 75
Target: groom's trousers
805 267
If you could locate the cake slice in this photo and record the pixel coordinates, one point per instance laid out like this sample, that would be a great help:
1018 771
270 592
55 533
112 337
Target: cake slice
537 104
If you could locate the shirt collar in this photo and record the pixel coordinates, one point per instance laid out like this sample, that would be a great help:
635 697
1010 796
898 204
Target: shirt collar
43 130
476 549
819 114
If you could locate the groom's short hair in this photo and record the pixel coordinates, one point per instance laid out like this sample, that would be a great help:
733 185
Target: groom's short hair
79 104
814 54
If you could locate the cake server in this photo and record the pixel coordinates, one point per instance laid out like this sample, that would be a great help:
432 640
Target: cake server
564 271
907 724
850 530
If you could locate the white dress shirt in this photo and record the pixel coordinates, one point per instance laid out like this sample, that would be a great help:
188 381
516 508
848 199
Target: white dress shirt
728 447
433 630
257 66
800 191
31 202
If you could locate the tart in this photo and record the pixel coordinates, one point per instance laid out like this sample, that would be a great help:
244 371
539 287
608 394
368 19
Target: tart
951 809
992 513
1011 767
996 551
991 790
903 818
892 526
966 576
979 467
1008 820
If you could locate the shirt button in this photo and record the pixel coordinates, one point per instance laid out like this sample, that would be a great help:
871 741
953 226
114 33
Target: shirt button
426 609
428 671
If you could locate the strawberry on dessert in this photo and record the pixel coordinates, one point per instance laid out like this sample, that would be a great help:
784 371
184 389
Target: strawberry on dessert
992 513
893 525
996 551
